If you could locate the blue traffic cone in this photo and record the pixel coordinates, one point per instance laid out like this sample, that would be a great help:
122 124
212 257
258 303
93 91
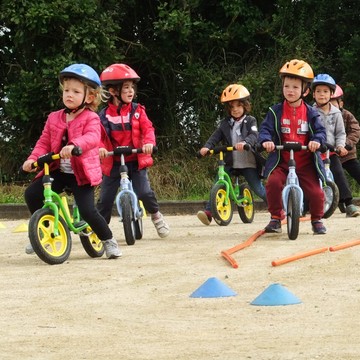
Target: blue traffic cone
213 288
276 295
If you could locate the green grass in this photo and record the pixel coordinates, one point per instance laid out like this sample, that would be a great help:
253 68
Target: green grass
175 176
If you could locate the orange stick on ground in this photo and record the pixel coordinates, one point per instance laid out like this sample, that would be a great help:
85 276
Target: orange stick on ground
227 253
299 256
344 245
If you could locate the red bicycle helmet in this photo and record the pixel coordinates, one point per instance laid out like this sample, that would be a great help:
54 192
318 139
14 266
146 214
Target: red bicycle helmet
116 74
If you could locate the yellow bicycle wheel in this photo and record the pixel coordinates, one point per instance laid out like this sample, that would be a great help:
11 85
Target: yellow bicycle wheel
48 247
221 208
246 210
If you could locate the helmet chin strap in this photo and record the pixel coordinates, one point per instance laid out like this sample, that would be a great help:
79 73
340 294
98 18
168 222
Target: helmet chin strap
81 106
301 96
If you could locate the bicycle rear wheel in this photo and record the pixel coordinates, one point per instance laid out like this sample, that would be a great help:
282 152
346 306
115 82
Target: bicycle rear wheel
91 243
127 219
247 210
293 214
49 248
331 201
221 210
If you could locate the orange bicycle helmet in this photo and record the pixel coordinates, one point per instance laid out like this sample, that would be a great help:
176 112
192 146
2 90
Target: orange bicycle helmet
116 74
234 92
299 69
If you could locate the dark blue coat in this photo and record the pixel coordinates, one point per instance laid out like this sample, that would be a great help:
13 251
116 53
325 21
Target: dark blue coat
270 130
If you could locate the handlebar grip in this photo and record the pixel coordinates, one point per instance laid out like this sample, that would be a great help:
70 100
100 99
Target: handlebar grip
76 151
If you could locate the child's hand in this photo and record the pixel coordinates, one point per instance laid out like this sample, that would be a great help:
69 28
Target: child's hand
204 151
341 151
103 153
269 146
65 152
240 146
147 148
313 146
27 166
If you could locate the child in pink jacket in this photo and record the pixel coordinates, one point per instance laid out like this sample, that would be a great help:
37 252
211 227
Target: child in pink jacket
76 125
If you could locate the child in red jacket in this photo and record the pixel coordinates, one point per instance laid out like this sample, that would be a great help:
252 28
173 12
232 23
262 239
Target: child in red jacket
76 125
294 120
126 124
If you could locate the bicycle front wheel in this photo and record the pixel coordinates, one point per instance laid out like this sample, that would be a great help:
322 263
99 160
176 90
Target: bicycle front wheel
221 209
91 243
293 214
49 248
331 198
127 219
246 210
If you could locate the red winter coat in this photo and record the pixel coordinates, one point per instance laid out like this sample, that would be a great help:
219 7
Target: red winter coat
83 131
141 131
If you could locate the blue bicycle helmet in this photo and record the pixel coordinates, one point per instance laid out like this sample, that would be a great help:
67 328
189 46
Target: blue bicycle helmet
82 72
324 79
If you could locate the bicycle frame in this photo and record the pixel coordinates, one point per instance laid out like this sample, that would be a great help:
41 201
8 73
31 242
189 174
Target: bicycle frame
127 188
232 190
59 205
292 181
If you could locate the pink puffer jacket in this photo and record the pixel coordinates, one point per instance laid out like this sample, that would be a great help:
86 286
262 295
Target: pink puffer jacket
84 131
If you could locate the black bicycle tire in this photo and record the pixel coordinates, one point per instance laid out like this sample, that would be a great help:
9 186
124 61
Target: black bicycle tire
243 210
36 223
293 214
335 199
139 229
217 195
90 243
127 219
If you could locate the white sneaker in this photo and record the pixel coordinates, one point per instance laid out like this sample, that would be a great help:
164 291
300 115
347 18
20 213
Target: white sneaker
111 249
29 249
161 226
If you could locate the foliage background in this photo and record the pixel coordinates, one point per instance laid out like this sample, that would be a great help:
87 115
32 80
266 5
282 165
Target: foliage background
185 51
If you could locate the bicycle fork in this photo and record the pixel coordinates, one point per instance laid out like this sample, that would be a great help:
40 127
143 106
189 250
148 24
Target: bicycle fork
292 182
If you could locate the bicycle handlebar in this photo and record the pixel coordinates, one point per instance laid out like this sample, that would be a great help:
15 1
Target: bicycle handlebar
291 145
127 150
222 148
51 156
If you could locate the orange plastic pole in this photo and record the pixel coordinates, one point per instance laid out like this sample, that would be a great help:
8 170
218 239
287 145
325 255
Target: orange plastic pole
227 253
344 245
298 256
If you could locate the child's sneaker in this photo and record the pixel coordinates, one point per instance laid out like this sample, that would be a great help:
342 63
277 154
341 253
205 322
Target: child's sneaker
204 216
274 226
111 249
161 226
352 211
318 227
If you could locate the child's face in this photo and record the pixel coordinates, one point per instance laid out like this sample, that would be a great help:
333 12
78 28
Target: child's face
236 108
73 93
127 92
292 89
322 94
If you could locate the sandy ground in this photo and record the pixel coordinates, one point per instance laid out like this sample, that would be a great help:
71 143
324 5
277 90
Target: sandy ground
139 306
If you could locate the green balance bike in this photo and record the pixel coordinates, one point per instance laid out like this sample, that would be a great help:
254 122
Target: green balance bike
50 226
